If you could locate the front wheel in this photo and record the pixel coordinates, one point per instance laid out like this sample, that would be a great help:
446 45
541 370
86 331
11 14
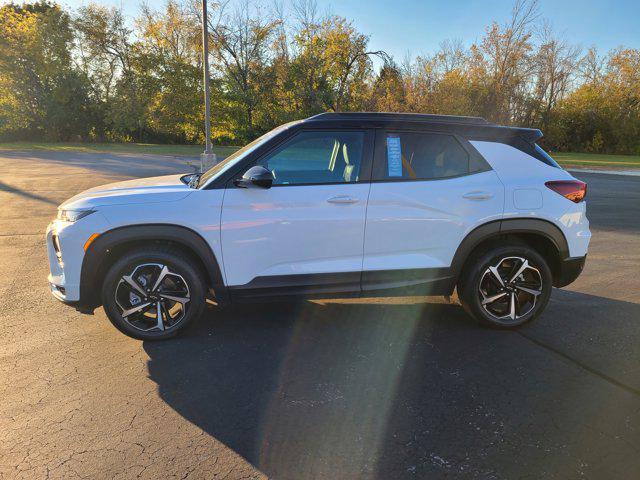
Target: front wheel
506 287
153 294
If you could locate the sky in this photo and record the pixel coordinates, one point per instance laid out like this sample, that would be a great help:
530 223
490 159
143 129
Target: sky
415 27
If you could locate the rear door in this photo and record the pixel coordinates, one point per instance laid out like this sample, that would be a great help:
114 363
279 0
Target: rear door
305 234
428 191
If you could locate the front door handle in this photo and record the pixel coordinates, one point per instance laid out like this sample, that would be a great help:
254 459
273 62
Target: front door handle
478 195
342 199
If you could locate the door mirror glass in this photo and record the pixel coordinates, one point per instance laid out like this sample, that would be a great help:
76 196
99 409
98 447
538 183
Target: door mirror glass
255 177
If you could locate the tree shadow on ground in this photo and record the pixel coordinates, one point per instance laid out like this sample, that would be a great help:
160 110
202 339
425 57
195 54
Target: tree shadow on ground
23 193
119 164
383 389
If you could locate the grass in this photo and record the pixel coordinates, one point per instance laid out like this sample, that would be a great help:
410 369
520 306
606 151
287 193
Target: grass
135 148
584 160
589 160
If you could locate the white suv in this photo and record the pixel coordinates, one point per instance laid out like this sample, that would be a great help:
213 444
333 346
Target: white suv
339 204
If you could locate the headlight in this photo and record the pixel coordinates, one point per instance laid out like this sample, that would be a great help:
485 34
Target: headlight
73 215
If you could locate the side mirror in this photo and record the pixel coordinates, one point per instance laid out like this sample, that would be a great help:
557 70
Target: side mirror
256 176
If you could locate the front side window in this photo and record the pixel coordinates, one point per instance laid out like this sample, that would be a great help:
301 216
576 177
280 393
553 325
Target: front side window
423 156
238 155
316 158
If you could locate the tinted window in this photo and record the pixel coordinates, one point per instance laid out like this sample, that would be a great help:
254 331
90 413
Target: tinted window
239 154
423 156
545 157
317 157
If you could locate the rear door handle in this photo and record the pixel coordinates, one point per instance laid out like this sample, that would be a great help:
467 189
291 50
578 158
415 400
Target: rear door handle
342 199
478 195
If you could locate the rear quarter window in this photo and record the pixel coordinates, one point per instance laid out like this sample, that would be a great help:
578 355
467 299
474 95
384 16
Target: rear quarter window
544 156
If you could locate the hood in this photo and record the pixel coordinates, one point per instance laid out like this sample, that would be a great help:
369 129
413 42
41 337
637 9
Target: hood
168 188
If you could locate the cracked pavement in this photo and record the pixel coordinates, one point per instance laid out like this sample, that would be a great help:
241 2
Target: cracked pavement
353 389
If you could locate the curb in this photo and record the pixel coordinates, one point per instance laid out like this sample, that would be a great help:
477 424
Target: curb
628 173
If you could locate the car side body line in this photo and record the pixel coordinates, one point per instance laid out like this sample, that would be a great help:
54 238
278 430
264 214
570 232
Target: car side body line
404 282
424 281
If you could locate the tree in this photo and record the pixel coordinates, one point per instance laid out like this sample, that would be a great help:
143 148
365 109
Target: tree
103 43
240 43
388 92
332 66
94 75
555 66
504 52
167 64
42 94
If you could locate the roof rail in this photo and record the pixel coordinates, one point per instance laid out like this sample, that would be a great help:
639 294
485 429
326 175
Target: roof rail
410 117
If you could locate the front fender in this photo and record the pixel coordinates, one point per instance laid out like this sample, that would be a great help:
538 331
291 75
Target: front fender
94 266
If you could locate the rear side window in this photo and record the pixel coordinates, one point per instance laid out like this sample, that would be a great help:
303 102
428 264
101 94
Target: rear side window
424 156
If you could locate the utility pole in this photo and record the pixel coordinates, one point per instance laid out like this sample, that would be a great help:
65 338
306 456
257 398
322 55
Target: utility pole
208 157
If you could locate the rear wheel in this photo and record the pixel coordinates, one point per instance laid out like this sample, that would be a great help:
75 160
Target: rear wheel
153 294
505 287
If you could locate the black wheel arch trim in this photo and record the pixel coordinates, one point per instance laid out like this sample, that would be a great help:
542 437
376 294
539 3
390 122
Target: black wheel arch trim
506 226
184 236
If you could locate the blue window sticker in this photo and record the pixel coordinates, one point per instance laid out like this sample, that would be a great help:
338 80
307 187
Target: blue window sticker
394 156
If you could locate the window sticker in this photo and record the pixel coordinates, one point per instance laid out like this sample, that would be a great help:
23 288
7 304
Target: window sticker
394 156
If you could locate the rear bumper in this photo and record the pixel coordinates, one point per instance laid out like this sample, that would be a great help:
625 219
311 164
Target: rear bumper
569 270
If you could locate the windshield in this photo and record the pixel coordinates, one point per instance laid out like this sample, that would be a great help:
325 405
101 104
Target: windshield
236 156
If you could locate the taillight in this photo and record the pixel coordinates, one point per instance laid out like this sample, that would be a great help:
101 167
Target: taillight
574 190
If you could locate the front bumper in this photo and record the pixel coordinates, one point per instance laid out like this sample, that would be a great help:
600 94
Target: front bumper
65 251
62 287
569 270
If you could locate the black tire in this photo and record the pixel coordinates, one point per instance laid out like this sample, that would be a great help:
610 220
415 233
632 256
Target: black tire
478 282
182 274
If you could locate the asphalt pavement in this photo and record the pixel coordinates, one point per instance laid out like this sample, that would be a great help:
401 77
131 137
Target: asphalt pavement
345 389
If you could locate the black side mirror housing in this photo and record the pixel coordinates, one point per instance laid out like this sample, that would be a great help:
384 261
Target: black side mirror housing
255 177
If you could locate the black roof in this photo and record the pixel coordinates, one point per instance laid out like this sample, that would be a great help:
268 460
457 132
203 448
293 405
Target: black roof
470 127
400 117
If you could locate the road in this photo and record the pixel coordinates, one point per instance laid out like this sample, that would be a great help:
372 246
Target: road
357 389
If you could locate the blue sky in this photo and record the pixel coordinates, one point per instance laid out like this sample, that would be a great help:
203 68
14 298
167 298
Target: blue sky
418 26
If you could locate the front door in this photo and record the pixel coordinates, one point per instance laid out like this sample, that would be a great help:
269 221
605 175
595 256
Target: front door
305 234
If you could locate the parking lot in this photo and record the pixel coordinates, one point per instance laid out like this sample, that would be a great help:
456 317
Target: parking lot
385 388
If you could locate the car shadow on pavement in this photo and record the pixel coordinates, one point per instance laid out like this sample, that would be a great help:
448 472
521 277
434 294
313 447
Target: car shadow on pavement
403 389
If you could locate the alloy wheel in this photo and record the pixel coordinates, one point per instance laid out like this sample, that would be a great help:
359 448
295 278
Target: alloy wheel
509 289
152 297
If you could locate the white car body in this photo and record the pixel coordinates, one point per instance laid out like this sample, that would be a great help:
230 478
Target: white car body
317 231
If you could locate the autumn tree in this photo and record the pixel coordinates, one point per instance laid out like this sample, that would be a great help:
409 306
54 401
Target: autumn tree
41 94
94 74
555 65
388 91
506 50
167 64
240 47
332 66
